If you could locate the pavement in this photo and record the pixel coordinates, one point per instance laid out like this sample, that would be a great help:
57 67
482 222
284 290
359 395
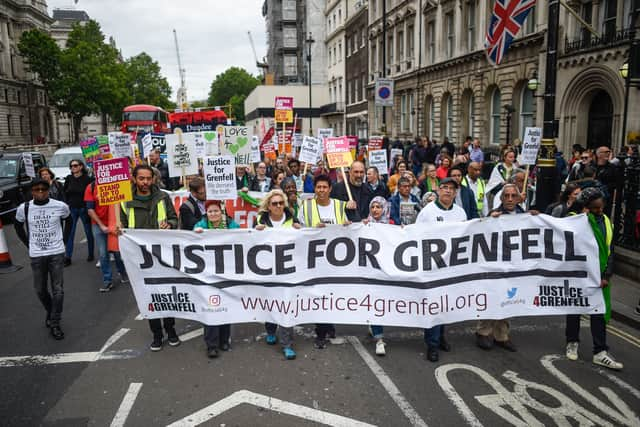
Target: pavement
103 372
625 297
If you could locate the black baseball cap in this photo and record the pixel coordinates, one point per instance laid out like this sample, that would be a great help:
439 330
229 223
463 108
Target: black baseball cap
40 181
449 181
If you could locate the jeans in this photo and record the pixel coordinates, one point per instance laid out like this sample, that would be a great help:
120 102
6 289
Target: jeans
82 214
44 267
598 331
105 263
432 336
377 332
216 335
286 334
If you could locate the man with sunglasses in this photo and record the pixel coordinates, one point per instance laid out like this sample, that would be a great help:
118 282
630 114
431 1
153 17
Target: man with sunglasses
42 217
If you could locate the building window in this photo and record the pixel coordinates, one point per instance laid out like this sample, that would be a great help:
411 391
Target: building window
363 38
339 51
609 21
23 130
410 51
530 23
374 64
364 87
9 119
432 118
329 55
404 123
290 65
390 52
471 111
431 42
449 123
587 14
526 111
495 117
289 10
335 56
411 112
451 34
339 16
400 41
471 26
290 37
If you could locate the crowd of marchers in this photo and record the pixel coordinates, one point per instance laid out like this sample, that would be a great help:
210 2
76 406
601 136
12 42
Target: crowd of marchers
428 183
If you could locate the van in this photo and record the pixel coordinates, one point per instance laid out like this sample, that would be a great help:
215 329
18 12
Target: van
15 184
59 163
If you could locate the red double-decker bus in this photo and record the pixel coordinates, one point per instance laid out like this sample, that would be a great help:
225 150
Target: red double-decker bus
198 121
145 118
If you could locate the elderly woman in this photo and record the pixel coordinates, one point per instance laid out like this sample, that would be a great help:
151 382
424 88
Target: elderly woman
215 336
379 213
275 213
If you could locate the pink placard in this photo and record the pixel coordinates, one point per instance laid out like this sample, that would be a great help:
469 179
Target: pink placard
284 103
336 144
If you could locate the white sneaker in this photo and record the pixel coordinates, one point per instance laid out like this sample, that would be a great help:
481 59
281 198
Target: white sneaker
380 348
98 264
604 359
572 351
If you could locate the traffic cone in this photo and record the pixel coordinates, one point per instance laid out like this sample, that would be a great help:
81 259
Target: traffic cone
6 266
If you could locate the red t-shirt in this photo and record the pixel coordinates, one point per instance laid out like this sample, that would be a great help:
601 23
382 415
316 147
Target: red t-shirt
91 199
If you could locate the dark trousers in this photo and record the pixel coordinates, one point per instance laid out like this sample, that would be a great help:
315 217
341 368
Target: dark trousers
156 326
216 335
324 329
598 331
44 267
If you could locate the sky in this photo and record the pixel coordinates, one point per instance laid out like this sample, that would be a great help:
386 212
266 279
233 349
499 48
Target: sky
212 35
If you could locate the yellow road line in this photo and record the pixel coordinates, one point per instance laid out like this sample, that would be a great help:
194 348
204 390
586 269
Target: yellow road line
633 340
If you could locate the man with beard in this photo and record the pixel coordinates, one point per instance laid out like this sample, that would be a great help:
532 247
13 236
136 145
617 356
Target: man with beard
357 208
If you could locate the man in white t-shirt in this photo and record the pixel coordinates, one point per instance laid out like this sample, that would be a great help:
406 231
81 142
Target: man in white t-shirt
43 218
440 211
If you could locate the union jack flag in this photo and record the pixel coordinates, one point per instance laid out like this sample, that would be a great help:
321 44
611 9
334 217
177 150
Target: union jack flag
507 19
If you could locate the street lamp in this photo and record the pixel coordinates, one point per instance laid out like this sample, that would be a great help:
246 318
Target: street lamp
309 41
533 84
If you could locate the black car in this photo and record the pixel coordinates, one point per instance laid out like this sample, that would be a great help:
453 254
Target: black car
15 184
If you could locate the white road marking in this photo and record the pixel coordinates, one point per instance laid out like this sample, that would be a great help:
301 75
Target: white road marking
83 240
126 405
622 384
191 335
624 415
266 402
388 384
113 338
139 317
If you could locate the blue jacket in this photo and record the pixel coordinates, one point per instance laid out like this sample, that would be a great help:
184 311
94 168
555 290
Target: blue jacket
468 202
395 207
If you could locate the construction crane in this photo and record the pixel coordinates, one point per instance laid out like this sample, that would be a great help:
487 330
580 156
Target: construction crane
182 91
261 65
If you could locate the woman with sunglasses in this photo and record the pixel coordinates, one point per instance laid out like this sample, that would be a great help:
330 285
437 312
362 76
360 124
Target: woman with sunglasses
74 186
275 213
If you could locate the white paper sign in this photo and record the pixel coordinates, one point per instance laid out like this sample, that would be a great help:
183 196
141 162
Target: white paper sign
310 151
530 146
220 177
181 155
255 149
28 165
378 158
200 144
120 144
236 141
395 152
297 139
325 133
147 145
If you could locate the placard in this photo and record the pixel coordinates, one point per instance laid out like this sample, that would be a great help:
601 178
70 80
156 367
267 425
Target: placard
113 181
200 143
104 147
181 156
375 143
120 144
310 152
284 109
90 149
338 152
28 165
378 158
212 148
325 133
220 177
158 142
530 145
255 149
236 141
147 145
392 157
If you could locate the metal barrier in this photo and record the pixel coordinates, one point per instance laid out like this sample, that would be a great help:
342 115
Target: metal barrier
627 215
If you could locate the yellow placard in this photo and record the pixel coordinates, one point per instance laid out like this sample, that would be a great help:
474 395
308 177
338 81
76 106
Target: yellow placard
115 192
341 159
284 116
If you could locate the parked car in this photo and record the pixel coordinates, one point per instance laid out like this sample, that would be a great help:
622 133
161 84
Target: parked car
59 163
15 184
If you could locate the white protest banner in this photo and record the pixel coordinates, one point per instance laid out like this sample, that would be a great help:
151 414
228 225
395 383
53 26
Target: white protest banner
236 141
325 133
416 276
255 149
220 177
310 150
181 155
147 145
28 165
120 144
378 158
530 146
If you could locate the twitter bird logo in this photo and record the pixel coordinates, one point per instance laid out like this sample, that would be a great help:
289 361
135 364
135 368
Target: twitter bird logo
512 292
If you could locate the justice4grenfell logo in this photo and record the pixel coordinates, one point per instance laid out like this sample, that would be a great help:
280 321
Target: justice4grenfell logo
174 301
214 305
560 296
511 298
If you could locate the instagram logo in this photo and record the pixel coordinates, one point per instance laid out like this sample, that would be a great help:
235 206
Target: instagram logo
214 300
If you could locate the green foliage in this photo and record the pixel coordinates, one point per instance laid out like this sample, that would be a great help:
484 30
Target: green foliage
41 54
198 104
145 83
232 87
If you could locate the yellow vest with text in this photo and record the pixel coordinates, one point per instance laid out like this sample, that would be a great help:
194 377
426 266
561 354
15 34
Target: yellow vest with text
311 214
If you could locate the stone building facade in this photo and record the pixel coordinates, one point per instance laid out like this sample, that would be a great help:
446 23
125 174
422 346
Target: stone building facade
25 117
357 70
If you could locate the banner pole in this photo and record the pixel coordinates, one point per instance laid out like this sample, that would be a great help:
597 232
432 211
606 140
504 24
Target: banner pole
526 178
346 182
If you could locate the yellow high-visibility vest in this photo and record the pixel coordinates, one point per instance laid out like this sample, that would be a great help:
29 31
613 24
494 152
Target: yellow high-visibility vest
131 216
311 213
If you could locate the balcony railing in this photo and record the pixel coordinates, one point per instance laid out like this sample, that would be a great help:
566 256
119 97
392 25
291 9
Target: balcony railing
333 108
593 42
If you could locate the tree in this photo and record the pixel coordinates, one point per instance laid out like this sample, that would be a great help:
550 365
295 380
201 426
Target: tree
41 55
232 87
145 83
